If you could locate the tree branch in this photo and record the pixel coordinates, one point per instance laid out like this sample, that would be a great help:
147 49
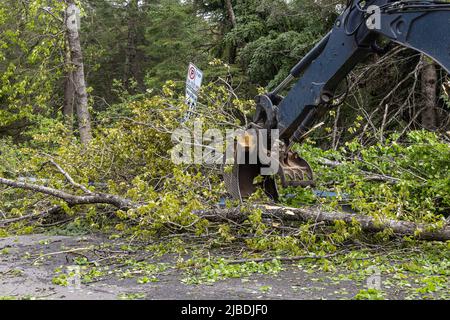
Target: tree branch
93 198
69 178
48 212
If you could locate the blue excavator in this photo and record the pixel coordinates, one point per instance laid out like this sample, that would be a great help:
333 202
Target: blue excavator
357 33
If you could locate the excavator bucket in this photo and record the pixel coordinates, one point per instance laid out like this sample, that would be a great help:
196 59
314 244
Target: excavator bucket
241 174
244 179
240 182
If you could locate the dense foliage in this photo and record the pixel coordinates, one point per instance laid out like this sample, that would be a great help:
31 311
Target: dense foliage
136 53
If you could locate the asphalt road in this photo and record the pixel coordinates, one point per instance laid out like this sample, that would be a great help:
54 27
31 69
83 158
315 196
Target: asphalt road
23 275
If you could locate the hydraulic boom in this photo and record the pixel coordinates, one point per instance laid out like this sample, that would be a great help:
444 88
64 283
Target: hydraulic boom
420 25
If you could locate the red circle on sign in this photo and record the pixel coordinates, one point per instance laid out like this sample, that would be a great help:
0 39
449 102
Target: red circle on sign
192 73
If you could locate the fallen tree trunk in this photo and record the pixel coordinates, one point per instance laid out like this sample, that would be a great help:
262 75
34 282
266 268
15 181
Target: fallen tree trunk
367 223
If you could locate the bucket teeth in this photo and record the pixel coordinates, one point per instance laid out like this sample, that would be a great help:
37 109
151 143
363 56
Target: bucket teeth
295 171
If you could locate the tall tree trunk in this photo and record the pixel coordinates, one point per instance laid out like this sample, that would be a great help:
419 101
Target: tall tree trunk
131 50
429 93
232 19
79 81
230 12
69 94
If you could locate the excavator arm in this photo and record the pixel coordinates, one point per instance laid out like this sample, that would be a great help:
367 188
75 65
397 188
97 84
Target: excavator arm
420 25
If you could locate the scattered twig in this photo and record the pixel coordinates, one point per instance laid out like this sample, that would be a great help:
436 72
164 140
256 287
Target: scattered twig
70 179
61 252
286 259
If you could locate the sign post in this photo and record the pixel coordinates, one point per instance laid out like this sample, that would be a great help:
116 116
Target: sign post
193 84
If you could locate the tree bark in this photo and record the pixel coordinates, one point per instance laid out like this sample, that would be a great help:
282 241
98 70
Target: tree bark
230 12
429 93
69 94
367 223
232 19
76 57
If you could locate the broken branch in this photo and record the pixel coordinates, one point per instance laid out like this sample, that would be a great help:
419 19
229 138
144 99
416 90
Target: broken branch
93 198
70 179
43 214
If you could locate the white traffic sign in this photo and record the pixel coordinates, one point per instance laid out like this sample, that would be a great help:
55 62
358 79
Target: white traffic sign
194 78
193 85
